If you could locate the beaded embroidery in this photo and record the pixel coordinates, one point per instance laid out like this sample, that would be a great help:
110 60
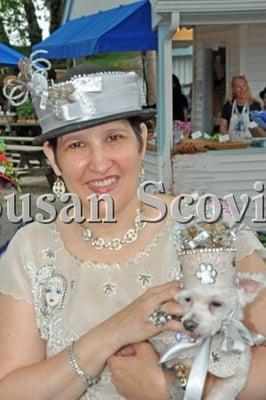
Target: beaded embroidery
49 291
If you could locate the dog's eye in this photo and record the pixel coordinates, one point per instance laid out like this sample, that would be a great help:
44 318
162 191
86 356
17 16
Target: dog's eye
187 299
216 304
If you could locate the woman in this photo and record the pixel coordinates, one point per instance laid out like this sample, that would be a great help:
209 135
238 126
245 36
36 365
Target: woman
69 302
235 113
74 296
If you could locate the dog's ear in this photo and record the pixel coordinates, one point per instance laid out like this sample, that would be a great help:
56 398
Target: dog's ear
249 286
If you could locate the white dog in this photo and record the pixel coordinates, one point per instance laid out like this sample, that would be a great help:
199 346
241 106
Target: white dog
213 298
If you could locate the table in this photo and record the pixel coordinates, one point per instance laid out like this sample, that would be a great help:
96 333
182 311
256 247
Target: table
21 139
28 154
30 128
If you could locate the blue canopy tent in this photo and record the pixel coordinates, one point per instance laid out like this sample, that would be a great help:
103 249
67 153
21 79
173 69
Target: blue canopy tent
124 28
9 56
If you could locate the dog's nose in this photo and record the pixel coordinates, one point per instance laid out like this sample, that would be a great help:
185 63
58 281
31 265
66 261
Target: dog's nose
190 325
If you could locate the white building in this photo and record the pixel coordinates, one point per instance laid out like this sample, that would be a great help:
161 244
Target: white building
229 38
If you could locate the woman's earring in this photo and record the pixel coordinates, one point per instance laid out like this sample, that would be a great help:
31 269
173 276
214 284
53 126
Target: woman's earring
141 174
58 187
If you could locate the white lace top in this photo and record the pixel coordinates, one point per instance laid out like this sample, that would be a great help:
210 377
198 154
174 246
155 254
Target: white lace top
70 297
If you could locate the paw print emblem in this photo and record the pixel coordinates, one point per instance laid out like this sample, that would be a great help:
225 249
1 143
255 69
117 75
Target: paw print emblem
206 274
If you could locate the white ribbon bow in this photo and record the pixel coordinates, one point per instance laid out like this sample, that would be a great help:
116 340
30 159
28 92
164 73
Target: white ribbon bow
236 339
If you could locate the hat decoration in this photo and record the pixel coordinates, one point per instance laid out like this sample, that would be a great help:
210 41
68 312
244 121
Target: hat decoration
205 250
8 177
82 101
32 79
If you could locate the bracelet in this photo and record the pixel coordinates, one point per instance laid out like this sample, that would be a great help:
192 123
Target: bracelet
88 379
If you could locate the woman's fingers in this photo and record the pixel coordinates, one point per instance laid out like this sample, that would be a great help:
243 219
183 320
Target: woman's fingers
164 293
126 351
169 287
174 312
172 308
140 320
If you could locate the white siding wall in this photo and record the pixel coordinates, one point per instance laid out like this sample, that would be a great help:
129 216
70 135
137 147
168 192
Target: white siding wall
151 166
182 67
255 66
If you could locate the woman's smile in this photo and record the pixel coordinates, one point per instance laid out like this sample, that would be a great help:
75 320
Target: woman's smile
104 185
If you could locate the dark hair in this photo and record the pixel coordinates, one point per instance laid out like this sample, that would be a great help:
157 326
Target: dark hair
134 122
177 91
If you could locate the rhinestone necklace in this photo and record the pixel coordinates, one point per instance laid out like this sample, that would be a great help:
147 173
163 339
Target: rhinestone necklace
116 243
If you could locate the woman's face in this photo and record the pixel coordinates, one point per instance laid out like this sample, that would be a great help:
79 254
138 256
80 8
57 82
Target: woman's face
105 159
240 89
54 292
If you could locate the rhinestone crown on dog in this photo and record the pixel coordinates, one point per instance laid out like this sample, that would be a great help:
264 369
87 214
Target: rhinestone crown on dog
206 252
208 267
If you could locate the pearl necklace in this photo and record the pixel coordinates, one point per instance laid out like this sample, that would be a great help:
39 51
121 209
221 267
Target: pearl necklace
116 243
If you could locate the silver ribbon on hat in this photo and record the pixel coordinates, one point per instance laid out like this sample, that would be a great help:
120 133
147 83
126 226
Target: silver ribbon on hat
31 79
236 337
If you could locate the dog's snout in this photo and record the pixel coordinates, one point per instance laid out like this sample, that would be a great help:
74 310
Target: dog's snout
190 325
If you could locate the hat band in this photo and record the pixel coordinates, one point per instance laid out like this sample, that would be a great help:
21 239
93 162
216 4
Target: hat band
208 267
91 105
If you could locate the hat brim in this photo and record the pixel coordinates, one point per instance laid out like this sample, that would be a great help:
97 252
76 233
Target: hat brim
143 115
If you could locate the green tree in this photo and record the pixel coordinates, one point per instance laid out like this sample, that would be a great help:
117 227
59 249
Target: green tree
3 36
56 8
20 16
35 32
14 18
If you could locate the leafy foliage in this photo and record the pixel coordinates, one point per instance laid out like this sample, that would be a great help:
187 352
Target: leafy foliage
13 17
56 8
262 238
20 16
3 35
26 110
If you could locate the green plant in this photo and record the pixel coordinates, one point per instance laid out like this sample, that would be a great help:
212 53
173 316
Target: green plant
262 238
122 60
26 110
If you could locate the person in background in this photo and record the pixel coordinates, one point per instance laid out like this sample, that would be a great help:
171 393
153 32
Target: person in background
180 103
235 113
263 98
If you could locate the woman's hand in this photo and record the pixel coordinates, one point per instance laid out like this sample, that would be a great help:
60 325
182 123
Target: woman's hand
138 377
132 324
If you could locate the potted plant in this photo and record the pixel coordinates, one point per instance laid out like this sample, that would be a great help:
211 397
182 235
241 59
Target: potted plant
26 113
